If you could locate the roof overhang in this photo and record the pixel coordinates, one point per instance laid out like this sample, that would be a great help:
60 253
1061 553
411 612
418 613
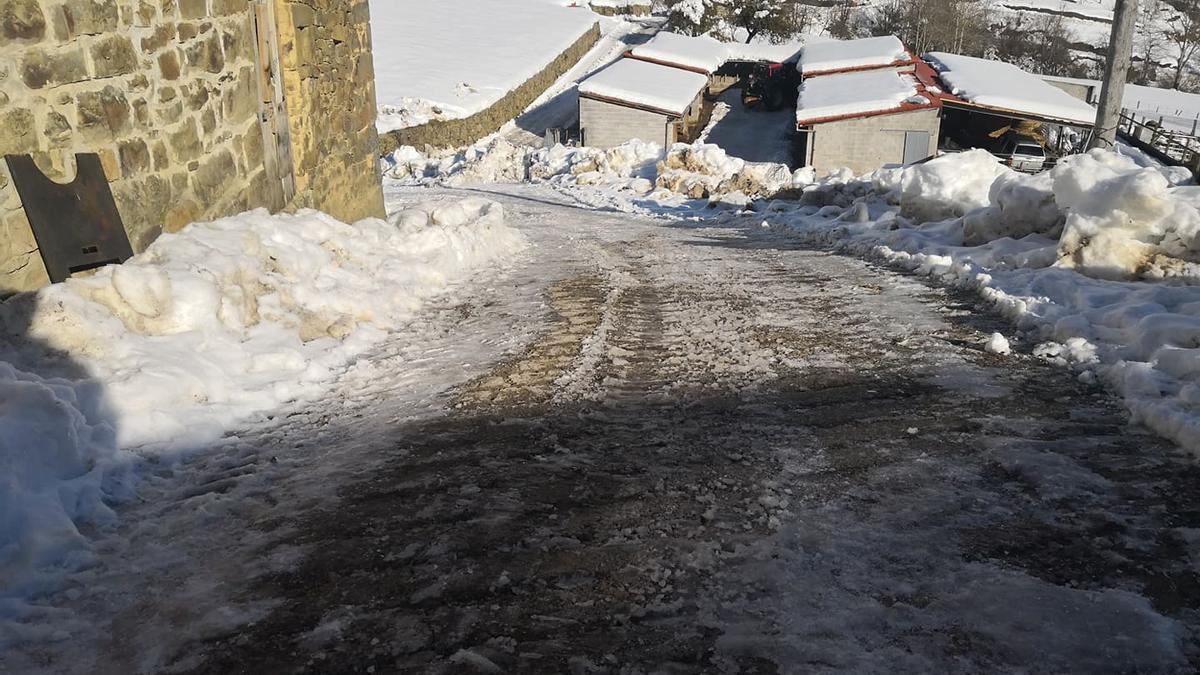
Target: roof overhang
903 108
629 104
895 65
958 103
669 64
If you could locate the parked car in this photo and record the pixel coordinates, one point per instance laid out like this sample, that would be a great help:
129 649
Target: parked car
1022 153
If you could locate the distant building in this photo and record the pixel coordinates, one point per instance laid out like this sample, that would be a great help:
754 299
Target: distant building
638 99
865 119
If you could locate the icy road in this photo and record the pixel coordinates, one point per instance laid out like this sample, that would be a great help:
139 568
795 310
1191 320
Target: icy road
655 446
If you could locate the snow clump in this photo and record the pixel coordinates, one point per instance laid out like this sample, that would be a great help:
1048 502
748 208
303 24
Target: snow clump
205 329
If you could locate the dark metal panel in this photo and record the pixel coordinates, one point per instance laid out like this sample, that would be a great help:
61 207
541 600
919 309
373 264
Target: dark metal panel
76 225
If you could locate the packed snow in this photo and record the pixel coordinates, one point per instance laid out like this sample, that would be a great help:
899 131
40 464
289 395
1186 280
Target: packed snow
855 93
648 84
1095 261
696 171
453 58
764 51
823 57
701 53
1000 85
207 328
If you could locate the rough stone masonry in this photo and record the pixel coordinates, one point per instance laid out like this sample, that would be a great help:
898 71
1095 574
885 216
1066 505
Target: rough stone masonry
176 97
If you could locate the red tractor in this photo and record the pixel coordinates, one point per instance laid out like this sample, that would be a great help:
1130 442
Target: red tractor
770 86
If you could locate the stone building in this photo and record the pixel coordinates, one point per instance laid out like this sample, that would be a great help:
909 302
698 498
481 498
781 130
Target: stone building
196 108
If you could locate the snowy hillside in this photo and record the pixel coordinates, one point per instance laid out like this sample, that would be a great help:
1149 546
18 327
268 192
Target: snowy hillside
453 58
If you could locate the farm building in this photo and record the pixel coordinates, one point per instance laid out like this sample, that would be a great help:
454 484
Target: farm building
982 100
865 119
638 99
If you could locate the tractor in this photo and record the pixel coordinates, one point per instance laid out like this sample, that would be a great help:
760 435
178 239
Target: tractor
770 86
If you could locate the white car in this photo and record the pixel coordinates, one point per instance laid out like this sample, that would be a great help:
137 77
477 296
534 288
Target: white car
1022 153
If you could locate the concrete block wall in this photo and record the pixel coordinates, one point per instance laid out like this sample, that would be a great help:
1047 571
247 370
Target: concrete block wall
329 87
165 91
866 143
605 124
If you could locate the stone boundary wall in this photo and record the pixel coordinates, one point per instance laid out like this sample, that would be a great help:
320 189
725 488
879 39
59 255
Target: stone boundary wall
631 9
165 91
465 131
328 80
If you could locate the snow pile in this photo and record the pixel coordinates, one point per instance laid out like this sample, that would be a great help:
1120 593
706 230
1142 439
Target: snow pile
870 91
453 58
703 170
834 55
947 186
700 53
205 329
629 165
671 90
1126 221
1002 85
698 171
1074 257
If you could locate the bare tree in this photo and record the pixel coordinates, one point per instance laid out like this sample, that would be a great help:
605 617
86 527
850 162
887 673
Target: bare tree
961 26
748 19
1149 39
1184 34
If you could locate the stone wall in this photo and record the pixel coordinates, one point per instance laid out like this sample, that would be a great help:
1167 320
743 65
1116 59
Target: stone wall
329 86
197 109
465 131
165 91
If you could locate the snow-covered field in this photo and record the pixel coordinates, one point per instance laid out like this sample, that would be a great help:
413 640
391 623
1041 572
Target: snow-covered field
209 329
453 58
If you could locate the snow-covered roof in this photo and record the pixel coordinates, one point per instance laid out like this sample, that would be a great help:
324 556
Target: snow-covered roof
835 55
859 93
642 83
699 53
460 56
995 84
764 51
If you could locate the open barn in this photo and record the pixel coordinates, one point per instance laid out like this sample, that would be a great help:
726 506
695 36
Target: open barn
984 102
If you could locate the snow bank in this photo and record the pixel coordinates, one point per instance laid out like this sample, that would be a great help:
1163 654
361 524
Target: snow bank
1094 262
203 330
1126 221
453 58
697 171
648 84
833 55
703 170
1002 85
870 91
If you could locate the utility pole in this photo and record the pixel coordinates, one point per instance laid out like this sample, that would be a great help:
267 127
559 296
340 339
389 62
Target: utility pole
1116 67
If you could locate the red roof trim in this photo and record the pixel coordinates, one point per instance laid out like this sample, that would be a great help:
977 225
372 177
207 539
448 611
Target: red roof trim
924 79
912 60
933 104
630 55
630 104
